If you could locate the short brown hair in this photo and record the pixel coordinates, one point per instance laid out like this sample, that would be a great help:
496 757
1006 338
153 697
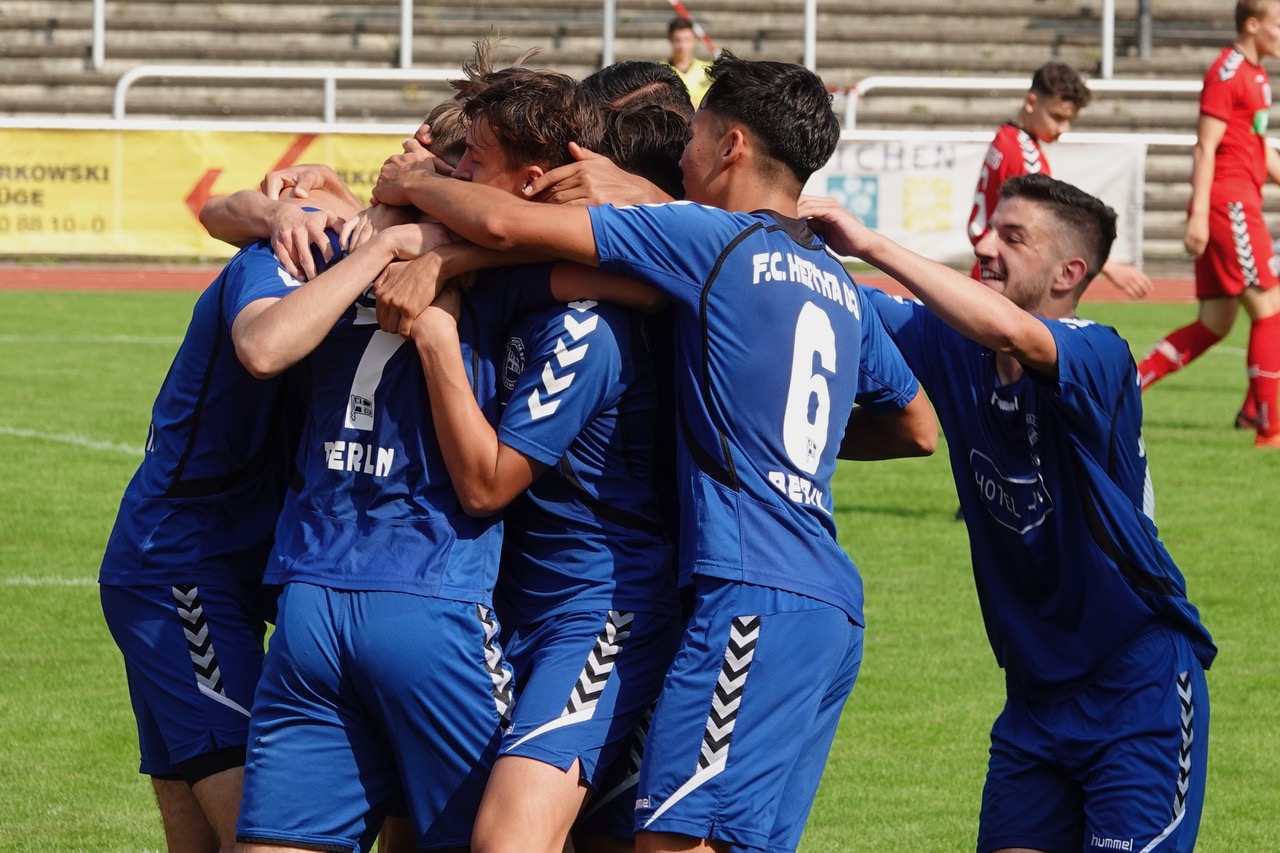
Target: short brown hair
534 115
1059 80
1246 9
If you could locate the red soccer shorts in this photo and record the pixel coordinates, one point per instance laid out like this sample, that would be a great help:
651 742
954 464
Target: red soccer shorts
1239 253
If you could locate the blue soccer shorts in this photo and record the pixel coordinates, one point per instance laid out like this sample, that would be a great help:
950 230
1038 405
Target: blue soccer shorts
746 716
366 694
192 656
1121 766
611 811
584 680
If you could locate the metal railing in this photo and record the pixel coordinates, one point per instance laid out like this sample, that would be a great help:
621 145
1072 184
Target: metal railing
1107 36
329 75
980 84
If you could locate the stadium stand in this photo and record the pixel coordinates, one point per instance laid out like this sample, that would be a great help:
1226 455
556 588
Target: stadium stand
45 58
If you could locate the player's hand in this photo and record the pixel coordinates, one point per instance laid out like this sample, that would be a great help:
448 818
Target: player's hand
592 179
401 168
438 324
838 228
360 228
404 290
294 231
302 179
1134 283
1196 238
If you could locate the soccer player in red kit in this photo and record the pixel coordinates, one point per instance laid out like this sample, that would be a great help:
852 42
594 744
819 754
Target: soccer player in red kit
1235 262
1056 97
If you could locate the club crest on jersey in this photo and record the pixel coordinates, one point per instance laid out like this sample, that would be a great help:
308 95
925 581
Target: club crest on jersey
360 412
513 363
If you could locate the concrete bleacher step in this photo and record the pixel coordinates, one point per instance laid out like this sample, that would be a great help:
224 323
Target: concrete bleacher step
45 46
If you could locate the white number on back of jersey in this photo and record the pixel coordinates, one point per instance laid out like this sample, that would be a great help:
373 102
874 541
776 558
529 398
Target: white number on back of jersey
803 437
364 385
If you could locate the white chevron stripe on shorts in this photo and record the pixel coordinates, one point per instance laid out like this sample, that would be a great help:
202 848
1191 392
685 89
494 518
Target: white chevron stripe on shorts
1188 713
744 634
585 696
204 660
499 672
1244 247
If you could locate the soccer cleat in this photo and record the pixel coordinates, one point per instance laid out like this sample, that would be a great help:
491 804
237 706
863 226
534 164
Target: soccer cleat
1267 441
1245 421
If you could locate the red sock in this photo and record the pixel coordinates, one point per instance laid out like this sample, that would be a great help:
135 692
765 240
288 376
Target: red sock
1264 372
1249 408
1177 350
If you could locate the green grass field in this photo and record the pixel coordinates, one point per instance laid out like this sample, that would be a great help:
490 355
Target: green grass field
80 370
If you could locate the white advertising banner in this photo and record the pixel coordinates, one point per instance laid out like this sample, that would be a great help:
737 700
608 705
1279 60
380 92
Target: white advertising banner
918 191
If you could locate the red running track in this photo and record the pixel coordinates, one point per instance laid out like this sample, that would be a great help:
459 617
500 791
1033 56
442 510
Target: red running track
112 277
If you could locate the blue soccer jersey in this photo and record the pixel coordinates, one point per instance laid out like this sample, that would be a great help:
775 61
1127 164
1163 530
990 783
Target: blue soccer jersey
774 346
579 395
1053 482
377 510
219 450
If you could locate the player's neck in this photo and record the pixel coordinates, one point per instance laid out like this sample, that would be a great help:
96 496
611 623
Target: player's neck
1008 369
1250 51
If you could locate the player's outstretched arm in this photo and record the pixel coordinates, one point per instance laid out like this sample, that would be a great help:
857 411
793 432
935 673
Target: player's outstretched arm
488 216
248 215
271 335
968 306
909 431
301 180
487 474
593 179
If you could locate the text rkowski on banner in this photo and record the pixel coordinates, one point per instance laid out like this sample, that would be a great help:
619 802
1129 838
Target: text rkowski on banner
75 192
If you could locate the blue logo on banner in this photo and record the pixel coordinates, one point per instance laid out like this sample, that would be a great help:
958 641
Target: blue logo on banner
860 195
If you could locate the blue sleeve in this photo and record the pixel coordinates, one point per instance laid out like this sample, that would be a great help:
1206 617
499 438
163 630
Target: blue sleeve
572 373
1095 370
251 275
673 247
885 382
911 326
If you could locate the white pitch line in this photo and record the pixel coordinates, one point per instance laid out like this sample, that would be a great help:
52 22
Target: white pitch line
146 340
74 440
30 580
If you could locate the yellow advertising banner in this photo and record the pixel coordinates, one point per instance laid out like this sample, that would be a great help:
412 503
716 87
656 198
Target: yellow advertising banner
138 192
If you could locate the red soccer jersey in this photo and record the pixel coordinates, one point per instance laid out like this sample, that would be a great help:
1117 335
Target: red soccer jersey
1013 152
1237 92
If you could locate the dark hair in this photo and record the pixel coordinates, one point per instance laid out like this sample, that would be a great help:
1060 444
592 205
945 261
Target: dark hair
1087 222
680 22
647 140
786 106
1059 80
534 115
637 80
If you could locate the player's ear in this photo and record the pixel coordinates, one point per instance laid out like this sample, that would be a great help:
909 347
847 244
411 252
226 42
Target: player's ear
531 174
1029 103
1071 271
733 145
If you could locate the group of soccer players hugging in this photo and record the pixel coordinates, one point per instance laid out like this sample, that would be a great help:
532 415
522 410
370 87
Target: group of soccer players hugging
530 466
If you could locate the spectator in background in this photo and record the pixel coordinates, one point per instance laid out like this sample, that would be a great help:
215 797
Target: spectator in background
1056 97
1235 261
692 71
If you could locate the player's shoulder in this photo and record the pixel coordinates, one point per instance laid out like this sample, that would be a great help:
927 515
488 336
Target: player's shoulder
1226 68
